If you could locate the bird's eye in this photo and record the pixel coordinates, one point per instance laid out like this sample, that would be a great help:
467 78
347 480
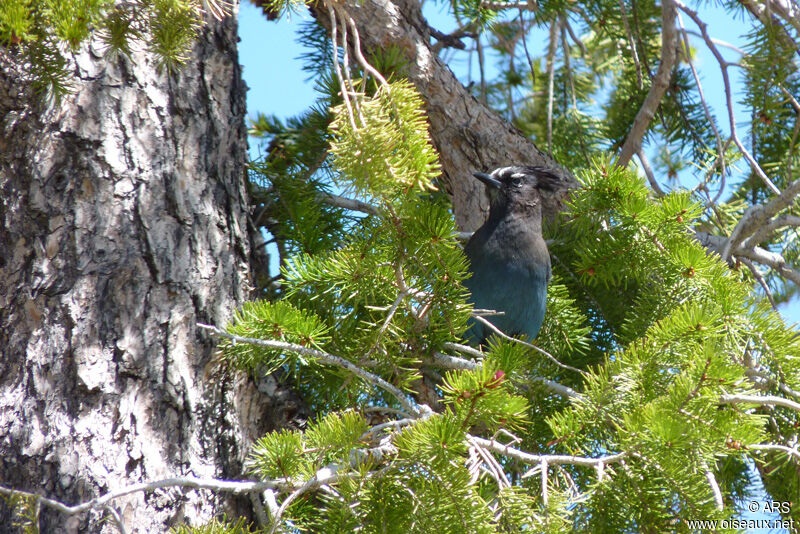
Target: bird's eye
516 181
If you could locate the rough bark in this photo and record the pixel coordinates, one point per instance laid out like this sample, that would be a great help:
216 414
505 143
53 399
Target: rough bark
468 135
123 224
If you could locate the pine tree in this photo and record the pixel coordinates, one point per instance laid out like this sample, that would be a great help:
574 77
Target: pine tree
662 374
664 379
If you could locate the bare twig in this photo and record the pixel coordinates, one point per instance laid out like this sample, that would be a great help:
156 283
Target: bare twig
392 310
765 231
502 334
116 518
551 67
258 507
384 409
551 459
543 468
792 100
723 65
648 172
718 42
760 279
326 475
558 389
658 87
795 132
329 359
758 215
347 203
601 471
567 68
772 260
453 362
399 423
339 76
524 35
239 487
359 56
706 111
479 49
766 400
632 45
714 487
494 468
346 68
466 349
575 38
530 5
271 502
763 381
792 451
449 40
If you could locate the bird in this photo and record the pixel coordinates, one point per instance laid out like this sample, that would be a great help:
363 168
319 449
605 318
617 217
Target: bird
509 264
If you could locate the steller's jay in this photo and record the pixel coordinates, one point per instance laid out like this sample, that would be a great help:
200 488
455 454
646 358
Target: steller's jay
509 261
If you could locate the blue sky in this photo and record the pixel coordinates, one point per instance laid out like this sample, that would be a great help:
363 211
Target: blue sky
272 70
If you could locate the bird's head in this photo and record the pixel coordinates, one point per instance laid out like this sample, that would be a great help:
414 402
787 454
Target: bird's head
517 187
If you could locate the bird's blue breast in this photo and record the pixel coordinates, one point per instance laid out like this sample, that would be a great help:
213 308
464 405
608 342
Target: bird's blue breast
514 282
508 257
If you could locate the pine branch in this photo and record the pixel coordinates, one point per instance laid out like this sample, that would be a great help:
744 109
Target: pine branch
482 139
330 359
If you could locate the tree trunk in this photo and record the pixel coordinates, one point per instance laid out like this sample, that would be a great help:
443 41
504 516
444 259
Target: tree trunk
124 224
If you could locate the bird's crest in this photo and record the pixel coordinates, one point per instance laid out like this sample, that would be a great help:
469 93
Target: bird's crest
547 178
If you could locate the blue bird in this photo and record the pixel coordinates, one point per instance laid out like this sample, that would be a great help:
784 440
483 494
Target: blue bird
508 256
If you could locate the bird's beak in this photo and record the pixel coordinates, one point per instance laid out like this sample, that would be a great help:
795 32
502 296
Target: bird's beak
487 179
